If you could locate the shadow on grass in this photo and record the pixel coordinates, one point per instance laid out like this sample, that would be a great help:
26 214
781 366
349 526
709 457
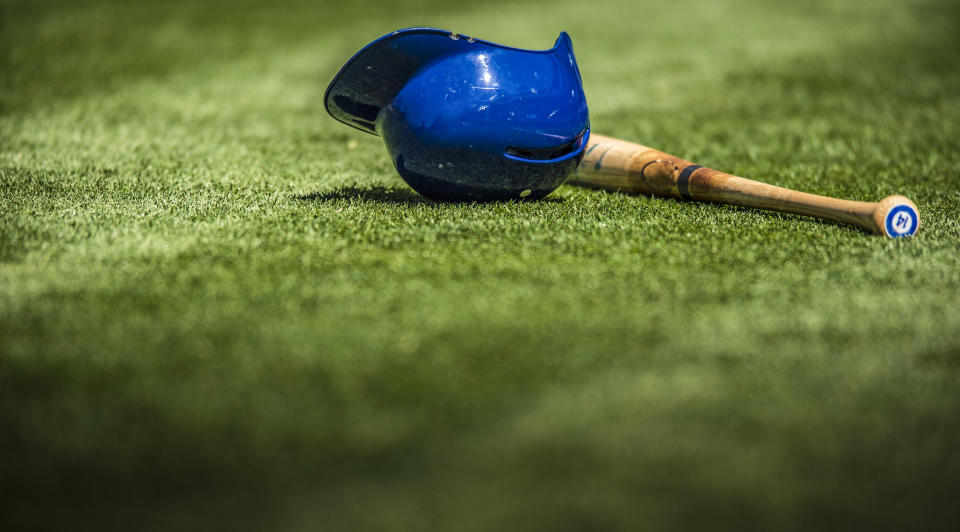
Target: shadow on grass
372 193
404 196
773 215
390 195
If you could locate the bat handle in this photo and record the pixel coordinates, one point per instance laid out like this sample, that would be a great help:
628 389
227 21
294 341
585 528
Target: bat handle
614 164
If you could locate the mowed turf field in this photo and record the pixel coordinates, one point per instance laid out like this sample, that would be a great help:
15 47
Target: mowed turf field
222 309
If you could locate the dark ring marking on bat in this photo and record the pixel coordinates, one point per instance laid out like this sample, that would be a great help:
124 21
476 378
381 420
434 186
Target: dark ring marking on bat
683 182
590 149
600 160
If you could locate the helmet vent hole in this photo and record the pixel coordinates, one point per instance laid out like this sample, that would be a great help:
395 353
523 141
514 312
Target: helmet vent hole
543 154
550 152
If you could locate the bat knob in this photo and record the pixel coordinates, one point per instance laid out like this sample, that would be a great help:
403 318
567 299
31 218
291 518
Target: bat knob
896 216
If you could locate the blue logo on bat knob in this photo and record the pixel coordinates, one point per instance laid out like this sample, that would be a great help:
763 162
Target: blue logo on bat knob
901 221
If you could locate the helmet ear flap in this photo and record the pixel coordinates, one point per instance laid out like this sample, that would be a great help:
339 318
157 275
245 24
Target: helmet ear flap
563 45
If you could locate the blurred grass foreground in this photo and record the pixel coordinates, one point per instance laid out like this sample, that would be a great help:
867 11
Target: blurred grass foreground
221 309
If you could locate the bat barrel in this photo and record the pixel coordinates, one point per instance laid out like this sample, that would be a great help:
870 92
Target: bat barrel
614 164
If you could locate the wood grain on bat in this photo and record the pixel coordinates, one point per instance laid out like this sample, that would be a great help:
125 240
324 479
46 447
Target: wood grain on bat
614 164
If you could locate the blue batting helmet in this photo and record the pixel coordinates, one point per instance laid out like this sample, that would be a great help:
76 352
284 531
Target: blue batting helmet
465 119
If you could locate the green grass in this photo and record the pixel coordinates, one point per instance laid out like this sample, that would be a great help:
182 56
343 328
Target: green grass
214 314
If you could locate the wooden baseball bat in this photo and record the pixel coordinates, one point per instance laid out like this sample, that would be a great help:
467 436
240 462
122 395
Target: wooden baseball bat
618 165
